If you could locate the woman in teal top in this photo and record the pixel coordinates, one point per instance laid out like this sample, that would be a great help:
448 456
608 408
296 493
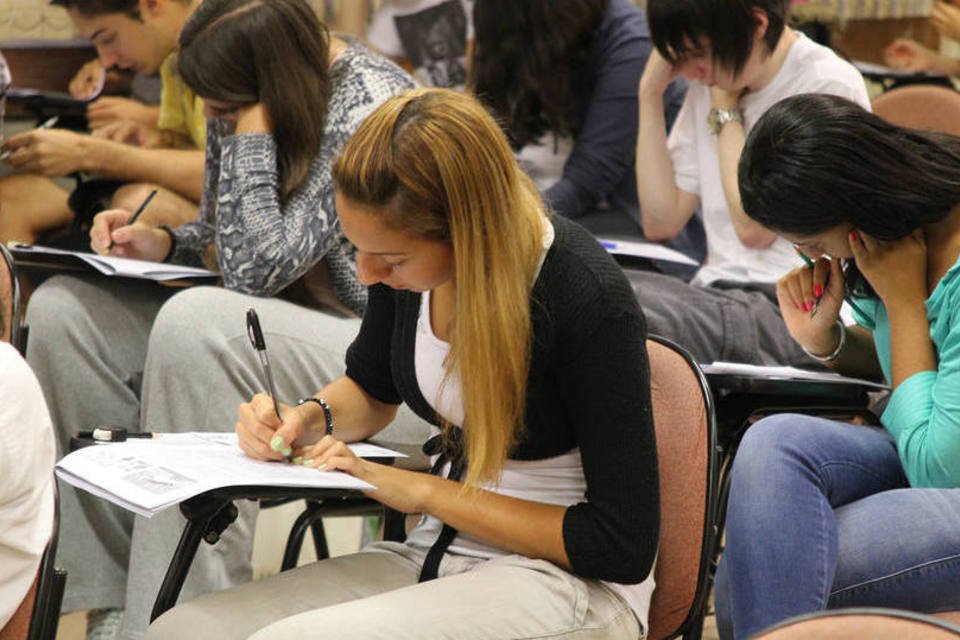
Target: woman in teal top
826 514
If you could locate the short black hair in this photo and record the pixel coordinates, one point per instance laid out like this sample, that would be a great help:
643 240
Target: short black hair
677 26
101 7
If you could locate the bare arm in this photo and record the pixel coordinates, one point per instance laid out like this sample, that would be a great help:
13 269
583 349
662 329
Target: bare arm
57 152
730 143
179 170
665 209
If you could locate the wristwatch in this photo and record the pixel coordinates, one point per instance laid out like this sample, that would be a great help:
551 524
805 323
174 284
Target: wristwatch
719 117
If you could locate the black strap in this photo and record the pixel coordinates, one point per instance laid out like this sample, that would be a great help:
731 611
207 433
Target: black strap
449 449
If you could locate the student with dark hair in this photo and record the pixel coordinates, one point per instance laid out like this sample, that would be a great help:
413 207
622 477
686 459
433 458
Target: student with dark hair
139 36
569 104
136 356
517 336
827 514
741 58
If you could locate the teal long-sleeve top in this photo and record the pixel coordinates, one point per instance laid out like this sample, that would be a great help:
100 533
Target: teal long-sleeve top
924 410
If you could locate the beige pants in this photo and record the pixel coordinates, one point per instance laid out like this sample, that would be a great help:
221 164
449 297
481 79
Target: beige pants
375 594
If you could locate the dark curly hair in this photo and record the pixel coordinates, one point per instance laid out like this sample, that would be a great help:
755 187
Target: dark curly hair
526 54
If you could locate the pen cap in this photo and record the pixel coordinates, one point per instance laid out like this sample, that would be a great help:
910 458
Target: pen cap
253 330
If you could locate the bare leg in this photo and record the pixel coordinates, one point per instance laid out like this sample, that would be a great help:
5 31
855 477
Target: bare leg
168 207
29 205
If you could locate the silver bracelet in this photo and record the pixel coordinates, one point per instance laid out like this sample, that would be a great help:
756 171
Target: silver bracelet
836 352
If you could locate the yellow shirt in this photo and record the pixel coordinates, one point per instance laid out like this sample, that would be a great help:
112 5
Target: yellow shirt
180 110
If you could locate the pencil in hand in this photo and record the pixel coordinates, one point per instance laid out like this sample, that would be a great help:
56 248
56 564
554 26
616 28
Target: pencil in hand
49 123
136 214
816 304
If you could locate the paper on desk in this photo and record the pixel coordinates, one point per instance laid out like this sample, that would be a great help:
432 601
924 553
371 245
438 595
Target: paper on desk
147 476
785 373
649 250
113 266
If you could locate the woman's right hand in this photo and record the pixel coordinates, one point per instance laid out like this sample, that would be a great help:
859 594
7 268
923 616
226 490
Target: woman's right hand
804 289
112 235
264 436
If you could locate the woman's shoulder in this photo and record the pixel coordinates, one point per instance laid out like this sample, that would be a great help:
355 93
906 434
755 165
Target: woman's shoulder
362 70
578 274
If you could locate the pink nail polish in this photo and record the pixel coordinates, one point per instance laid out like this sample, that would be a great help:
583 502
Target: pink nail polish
817 291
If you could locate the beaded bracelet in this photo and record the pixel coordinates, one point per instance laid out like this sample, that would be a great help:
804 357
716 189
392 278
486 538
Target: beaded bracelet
836 352
327 414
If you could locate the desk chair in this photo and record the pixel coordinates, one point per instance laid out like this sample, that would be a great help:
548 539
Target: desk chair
209 514
38 615
920 106
11 324
685 426
857 623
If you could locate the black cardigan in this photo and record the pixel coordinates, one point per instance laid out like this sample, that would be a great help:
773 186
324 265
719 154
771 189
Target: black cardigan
589 387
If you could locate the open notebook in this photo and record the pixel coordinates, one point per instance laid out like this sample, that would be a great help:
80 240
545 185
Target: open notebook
37 255
146 476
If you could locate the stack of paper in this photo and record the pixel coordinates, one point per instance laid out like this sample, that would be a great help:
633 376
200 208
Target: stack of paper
146 476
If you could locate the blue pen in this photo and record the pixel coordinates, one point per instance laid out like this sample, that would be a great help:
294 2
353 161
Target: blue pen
816 303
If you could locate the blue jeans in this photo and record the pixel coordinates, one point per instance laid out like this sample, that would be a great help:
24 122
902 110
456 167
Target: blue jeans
821 516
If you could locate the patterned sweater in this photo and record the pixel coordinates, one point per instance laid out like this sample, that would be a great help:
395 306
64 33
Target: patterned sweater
263 245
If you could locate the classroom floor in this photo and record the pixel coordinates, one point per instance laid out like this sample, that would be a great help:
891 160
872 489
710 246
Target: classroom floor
344 535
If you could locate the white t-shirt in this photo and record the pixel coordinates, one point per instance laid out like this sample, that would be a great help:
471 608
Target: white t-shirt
432 34
808 68
27 455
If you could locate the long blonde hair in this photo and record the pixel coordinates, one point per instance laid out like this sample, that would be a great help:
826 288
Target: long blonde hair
434 163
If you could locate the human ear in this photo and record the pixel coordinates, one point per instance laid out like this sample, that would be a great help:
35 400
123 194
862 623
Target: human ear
762 22
151 8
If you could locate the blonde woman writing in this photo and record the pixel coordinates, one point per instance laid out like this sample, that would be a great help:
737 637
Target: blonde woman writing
541 519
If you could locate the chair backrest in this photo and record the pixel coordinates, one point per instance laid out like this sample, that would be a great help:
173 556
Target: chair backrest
38 615
921 106
687 458
854 624
10 320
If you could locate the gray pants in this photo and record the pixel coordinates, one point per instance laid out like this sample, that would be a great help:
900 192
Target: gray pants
91 343
374 595
733 325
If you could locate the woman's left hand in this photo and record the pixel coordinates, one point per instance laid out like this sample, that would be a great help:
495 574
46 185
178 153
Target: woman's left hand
405 491
253 118
896 269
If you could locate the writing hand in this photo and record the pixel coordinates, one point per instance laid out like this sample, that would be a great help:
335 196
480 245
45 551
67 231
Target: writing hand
47 152
111 235
264 436
806 288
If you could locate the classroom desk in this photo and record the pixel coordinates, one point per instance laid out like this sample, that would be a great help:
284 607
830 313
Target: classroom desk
209 514
740 399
